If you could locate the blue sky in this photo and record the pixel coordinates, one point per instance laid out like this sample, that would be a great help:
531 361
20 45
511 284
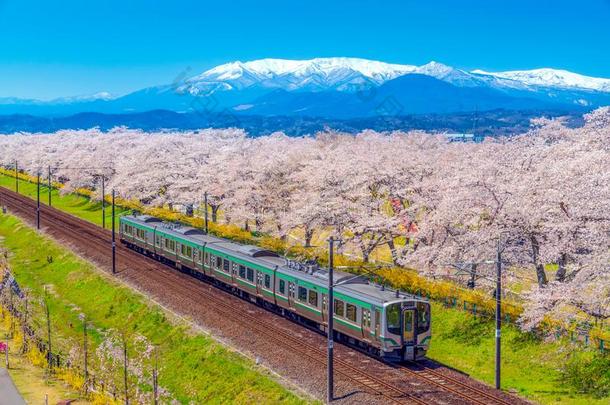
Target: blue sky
61 48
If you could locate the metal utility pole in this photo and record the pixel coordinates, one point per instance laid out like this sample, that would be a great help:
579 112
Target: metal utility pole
330 309
498 312
205 203
49 353
113 238
125 369
38 202
155 379
103 203
85 350
49 184
16 177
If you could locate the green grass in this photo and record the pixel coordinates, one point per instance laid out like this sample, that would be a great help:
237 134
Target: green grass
195 368
74 204
530 366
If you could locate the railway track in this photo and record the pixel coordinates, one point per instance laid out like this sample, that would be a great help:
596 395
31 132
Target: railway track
98 240
455 386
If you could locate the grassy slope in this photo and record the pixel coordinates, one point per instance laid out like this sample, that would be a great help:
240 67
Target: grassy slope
74 204
530 367
195 367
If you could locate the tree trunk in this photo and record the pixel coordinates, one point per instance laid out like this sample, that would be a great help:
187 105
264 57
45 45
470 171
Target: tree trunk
308 237
561 271
392 247
215 213
540 273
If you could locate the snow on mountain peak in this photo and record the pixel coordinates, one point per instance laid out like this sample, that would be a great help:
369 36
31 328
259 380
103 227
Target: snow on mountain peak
350 74
547 77
312 74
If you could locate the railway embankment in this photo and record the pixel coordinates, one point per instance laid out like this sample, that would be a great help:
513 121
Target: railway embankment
191 366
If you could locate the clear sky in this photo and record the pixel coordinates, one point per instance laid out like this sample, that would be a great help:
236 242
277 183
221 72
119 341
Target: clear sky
60 48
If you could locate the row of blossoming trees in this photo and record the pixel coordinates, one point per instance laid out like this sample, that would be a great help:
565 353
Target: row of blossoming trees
545 195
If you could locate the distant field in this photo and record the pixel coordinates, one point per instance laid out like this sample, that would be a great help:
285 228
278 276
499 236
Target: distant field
195 368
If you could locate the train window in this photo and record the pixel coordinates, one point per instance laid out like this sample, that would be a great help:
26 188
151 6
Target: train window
267 281
339 308
313 298
423 317
218 262
282 287
250 273
226 266
242 271
302 294
393 318
157 240
207 258
351 312
199 255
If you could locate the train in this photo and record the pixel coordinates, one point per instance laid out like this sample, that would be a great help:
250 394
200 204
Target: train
389 324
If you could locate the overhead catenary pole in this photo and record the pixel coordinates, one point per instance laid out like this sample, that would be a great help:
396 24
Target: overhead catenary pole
498 313
113 238
85 350
49 352
38 202
125 369
49 184
155 378
103 203
330 332
205 203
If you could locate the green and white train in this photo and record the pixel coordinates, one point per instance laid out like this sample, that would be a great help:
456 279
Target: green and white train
389 324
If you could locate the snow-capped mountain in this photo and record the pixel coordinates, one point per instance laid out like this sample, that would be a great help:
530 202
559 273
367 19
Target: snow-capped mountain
551 78
343 74
342 87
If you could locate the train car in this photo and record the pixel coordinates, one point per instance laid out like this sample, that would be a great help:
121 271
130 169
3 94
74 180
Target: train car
392 325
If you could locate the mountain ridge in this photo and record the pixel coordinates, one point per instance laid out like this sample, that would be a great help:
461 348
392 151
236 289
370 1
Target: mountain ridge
339 88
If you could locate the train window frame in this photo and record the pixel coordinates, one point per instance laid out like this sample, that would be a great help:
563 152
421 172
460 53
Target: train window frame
339 304
351 309
312 298
250 274
267 281
282 287
226 265
423 317
158 240
242 271
217 262
207 258
390 323
302 294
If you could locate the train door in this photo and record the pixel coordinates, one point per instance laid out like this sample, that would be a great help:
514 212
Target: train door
324 309
259 282
366 324
409 317
291 293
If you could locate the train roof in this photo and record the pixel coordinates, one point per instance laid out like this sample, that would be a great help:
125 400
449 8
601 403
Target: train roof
357 286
